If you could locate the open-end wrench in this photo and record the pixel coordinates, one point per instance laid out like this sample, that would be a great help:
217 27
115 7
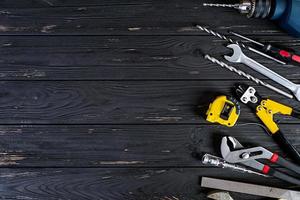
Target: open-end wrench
239 57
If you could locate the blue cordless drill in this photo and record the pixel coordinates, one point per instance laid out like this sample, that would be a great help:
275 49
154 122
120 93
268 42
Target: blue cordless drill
285 12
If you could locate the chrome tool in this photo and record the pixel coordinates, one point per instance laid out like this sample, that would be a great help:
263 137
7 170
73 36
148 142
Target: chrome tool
208 159
239 57
228 39
232 151
248 76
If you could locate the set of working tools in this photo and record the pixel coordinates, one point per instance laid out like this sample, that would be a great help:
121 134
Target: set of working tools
226 109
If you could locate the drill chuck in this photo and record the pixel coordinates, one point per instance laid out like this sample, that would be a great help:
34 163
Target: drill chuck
255 8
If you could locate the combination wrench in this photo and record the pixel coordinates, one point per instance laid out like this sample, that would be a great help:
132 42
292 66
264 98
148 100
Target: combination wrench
239 57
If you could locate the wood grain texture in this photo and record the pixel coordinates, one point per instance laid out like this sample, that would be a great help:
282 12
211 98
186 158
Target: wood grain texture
113 102
154 17
110 183
105 99
124 145
125 58
65 3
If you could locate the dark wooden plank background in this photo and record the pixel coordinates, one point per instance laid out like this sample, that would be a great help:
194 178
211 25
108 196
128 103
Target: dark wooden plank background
105 99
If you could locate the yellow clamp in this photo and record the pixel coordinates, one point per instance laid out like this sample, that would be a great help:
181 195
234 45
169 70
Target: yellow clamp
267 109
224 111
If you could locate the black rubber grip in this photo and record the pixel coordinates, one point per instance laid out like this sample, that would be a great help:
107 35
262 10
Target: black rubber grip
273 51
287 146
289 165
296 114
283 176
283 55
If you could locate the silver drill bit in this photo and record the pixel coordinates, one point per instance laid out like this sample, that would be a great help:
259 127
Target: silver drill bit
236 6
209 159
244 7
228 39
221 36
248 76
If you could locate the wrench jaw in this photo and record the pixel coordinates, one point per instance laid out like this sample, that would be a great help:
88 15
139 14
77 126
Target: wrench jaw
237 54
229 143
225 150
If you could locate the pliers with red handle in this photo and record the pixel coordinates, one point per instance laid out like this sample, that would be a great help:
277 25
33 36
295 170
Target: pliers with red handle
233 152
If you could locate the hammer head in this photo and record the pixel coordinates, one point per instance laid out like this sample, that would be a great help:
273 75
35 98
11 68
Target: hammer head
237 54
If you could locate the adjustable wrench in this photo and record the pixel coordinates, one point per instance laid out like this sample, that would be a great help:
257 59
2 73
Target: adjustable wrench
233 152
239 57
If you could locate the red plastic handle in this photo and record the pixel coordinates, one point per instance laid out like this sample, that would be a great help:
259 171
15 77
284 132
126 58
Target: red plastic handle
274 158
266 169
285 54
289 55
296 58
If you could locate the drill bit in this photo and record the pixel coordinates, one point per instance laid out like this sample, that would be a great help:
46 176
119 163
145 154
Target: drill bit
208 159
228 39
245 7
236 6
221 36
248 76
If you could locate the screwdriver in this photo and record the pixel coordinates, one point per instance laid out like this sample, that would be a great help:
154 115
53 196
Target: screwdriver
268 48
209 159
224 37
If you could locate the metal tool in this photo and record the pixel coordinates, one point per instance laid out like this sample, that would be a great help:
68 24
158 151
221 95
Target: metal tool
265 109
239 57
246 38
246 188
232 151
224 110
236 6
283 55
247 7
248 76
219 195
228 39
208 159
285 12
